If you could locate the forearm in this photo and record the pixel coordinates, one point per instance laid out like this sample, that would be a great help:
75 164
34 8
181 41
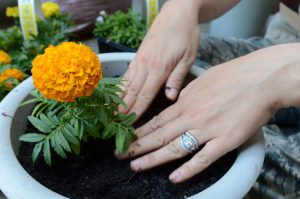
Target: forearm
204 10
211 9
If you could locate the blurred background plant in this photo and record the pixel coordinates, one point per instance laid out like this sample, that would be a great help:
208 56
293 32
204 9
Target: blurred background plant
127 28
52 30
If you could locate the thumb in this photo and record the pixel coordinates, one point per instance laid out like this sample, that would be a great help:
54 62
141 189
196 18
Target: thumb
175 80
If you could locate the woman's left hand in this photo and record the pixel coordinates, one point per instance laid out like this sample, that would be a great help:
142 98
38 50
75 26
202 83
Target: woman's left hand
221 109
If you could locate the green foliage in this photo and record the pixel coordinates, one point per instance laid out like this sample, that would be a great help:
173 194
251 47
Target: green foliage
124 28
51 31
62 126
11 38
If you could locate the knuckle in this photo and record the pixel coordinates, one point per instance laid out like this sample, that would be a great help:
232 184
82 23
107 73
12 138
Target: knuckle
149 159
133 90
188 170
154 123
178 78
160 138
228 145
175 149
202 160
156 64
145 96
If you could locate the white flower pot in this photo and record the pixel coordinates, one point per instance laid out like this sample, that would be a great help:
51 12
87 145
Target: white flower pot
16 183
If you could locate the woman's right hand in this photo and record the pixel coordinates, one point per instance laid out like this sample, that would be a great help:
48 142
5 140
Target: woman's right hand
164 57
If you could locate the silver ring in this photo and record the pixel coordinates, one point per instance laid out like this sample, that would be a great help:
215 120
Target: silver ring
188 142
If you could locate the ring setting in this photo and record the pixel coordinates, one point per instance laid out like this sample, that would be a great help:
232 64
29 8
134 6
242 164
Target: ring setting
188 142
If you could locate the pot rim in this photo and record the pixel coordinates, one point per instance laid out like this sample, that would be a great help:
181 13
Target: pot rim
16 183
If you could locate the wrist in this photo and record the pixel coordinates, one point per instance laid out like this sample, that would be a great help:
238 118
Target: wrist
187 9
284 80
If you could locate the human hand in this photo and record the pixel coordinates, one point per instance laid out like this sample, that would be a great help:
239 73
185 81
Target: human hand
221 110
165 56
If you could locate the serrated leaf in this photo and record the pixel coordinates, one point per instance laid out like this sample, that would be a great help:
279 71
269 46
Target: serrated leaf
38 124
103 115
32 137
39 108
47 121
117 99
108 131
129 119
59 138
123 141
36 151
57 148
70 137
92 130
29 102
47 152
106 99
81 129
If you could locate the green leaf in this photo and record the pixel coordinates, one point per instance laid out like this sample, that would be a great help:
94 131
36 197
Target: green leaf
108 131
57 148
36 151
81 129
32 137
103 115
70 137
129 119
39 124
47 121
29 102
47 152
117 99
39 108
92 130
60 139
123 141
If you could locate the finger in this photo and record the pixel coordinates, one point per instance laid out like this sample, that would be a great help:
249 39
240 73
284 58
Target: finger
146 95
159 138
213 150
170 152
128 77
133 90
176 79
169 114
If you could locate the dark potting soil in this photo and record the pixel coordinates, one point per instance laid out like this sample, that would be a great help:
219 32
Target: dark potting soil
96 173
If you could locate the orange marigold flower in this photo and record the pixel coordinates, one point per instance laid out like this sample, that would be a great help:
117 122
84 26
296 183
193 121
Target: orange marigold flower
4 58
11 73
66 72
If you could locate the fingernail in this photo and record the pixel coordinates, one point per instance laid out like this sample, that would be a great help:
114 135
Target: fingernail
175 177
136 165
171 93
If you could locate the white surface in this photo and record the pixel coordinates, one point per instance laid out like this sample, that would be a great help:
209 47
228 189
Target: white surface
15 183
246 19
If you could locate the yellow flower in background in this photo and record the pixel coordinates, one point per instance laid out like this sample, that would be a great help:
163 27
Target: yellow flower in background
12 12
11 73
50 9
4 58
66 72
